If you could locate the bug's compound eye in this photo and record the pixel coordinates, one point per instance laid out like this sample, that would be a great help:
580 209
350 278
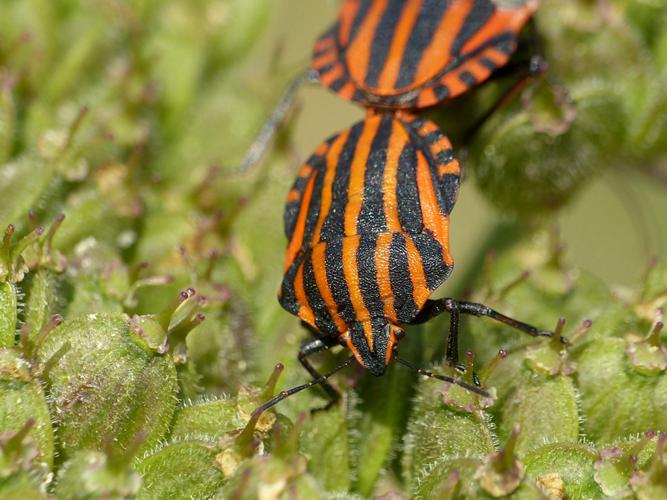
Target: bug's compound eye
394 335
393 332
398 332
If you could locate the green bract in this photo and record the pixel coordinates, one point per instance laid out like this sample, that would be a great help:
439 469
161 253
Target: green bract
180 470
94 474
7 314
23 406
105 386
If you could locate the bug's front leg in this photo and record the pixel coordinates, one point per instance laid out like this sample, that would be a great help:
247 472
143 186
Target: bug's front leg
433 308
312 347
275 121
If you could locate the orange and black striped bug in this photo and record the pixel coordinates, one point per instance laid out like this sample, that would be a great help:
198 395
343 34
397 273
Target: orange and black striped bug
410 54
368 228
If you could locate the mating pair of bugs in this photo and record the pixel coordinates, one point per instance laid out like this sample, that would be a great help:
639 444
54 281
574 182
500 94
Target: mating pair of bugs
368 217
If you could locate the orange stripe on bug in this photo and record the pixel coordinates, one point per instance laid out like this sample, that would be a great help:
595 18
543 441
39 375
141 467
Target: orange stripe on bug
319 269
397 142
452 167
294 195
333 75
347 341
294 246
434 220
345 19
399 42
305 312
420 290
355 190
437 54
332 159
382 266
351 272
359 52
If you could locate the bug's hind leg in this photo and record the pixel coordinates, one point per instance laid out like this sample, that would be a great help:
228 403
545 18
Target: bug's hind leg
533 65
275 121
313 347
524 72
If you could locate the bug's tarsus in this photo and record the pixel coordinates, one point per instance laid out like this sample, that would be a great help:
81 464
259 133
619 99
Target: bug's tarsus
444 378
435 307
274 122
475 378
285 394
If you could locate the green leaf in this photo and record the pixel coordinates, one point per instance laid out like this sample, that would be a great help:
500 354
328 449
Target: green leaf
206 421
22 182
20 401
325 443
7 314
379 418
545 410
435 431
617 400
564 465
179 470
106 386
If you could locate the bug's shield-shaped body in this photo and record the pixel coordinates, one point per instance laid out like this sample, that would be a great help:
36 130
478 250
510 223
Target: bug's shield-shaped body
368 228
416 53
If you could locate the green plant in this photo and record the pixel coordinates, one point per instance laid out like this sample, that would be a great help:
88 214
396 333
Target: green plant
138 277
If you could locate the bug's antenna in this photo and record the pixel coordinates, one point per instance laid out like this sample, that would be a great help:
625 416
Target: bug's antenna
284 394
444 378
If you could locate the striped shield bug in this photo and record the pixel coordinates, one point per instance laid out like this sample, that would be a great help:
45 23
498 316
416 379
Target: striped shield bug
416 53
368 227
410 54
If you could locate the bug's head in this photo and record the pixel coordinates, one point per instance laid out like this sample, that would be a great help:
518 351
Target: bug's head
372 343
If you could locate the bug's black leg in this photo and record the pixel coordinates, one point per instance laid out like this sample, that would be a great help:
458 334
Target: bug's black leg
525 71
275 121
452 352
433 308
312 347
476 309
472 388
285 394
